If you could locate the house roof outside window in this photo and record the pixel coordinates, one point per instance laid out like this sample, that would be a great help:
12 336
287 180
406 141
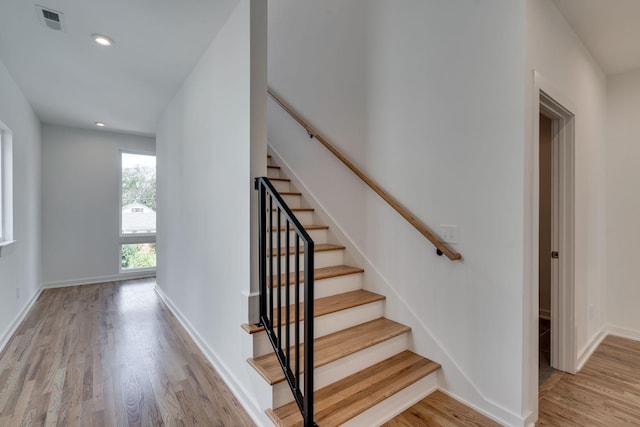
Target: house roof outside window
138 218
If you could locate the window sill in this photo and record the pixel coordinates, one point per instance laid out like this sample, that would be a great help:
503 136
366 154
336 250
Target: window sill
6 247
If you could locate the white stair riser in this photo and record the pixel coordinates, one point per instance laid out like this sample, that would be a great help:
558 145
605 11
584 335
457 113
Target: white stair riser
317 235
304 217
273 173
281 186
341 368
320 259
293 201
324 287
396 404
325 325
337 285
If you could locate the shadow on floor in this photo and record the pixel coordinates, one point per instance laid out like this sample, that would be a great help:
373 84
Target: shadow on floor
544 360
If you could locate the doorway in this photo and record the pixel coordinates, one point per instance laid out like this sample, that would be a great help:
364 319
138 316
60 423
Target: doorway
547 244
556 344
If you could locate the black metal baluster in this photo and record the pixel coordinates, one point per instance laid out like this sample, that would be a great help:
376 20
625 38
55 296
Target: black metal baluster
279 280
271 261
287 302
308 331
297 312
262 233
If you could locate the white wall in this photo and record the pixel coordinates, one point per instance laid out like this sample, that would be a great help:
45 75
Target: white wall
623 203
428 99
80 203
556 53
20 264
211 142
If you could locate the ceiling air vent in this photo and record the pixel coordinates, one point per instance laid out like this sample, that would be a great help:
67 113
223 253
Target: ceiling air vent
50 18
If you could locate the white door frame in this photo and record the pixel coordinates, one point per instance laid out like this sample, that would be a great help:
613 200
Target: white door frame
563 339
554 103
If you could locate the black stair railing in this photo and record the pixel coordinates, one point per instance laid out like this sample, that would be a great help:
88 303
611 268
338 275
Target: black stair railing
279 317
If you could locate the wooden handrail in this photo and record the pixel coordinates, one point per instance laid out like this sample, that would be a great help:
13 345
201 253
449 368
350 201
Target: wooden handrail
441 247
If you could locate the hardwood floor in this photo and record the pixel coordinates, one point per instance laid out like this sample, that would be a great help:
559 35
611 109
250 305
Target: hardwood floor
438 409
113 355
605 393
109 355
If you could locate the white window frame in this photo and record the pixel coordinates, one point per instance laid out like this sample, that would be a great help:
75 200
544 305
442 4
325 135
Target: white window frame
2 191
6 189
137 238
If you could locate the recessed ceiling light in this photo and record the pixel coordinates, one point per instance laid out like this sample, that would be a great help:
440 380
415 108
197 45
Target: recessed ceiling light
102 40
100 124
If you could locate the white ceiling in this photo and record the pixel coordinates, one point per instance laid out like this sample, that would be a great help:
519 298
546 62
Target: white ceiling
610 30
70 80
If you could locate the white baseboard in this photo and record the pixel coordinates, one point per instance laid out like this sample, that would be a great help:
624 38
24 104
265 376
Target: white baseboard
530 420
605 331
101 279
474 407
631 334
588 350
236 388
13 327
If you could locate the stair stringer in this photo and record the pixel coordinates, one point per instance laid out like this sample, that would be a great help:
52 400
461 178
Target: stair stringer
452 379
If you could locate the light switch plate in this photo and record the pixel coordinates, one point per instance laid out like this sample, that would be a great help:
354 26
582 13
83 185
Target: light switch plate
449 233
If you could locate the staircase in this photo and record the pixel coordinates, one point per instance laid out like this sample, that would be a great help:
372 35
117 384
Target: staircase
364 372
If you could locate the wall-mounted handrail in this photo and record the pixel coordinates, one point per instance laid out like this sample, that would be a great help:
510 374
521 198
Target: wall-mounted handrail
440 246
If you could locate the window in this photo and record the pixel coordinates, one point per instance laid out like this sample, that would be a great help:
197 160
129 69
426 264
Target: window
137 211
138 256
6 188
2 180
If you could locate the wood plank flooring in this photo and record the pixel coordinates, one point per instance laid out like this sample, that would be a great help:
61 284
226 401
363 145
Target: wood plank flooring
109 355
113 355
438 409
605 393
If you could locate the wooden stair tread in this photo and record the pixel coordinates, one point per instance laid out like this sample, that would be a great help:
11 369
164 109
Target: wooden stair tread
273 166
349 397
324 306
306 227
295 209
279 179
333 303
332 347
289 193
318 274
319 247
251 328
